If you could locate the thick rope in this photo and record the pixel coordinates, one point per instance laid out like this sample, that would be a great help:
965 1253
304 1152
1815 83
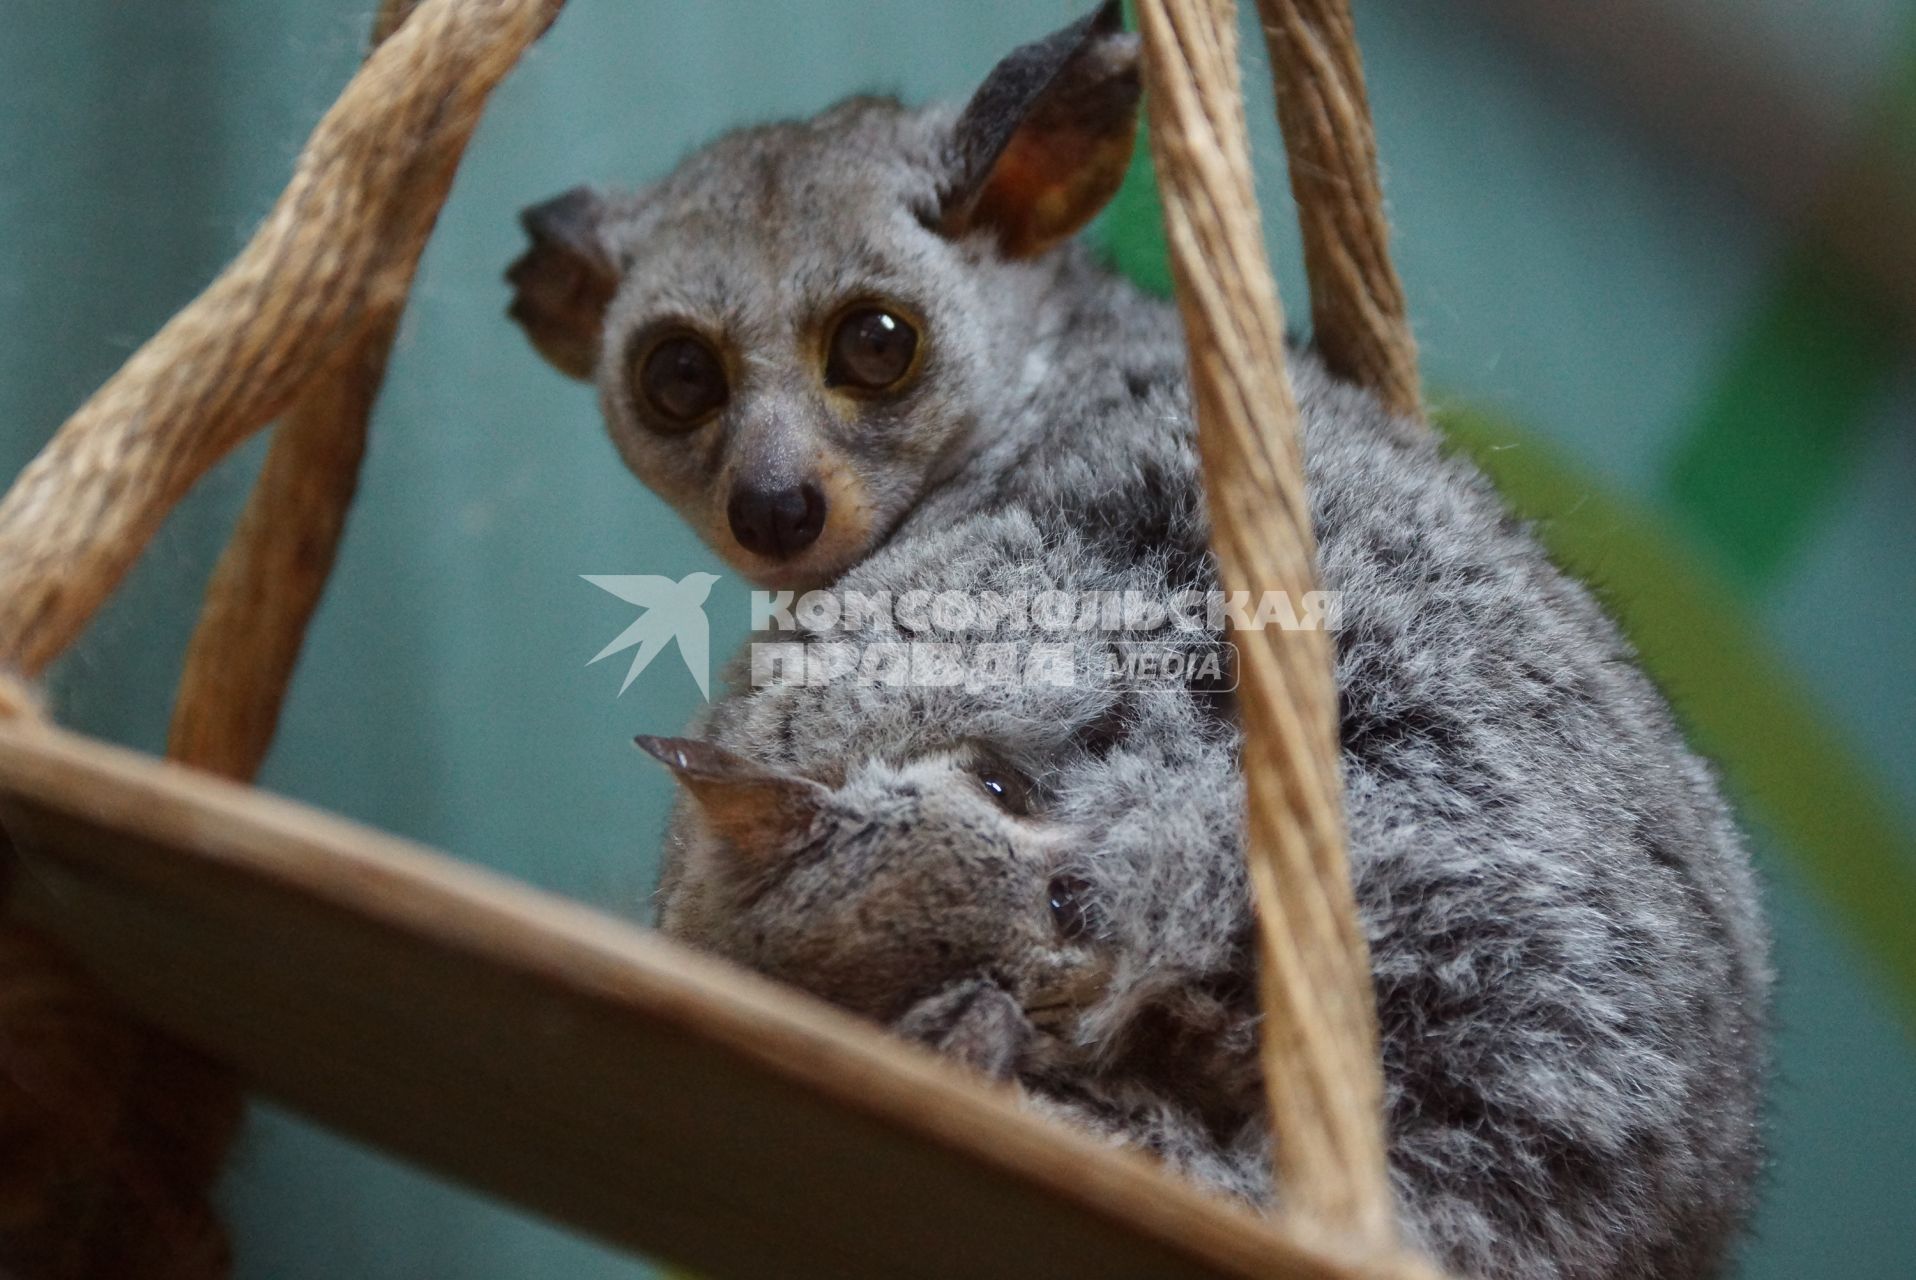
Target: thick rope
1359 321
1319 1049
337 252
268 584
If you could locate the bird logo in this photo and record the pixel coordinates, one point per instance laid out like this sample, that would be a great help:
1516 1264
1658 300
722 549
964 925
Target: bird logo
673 610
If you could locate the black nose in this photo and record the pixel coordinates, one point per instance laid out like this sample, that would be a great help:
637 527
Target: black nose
776 522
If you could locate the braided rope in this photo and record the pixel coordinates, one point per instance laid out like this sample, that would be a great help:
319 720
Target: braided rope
1319 1049
1359 321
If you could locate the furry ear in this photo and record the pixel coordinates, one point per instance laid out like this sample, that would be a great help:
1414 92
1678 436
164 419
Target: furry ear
759 811
1045 141
563 284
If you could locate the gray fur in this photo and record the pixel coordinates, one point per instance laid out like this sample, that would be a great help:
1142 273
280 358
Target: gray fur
1570 961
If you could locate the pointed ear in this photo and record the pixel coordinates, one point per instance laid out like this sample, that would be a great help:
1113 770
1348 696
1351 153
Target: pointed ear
759 811
1046 140
563 284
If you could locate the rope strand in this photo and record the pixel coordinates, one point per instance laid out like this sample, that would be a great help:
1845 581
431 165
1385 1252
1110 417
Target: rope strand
1319 1049
1359 320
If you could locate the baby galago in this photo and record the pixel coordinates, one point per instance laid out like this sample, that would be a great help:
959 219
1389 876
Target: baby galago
954 898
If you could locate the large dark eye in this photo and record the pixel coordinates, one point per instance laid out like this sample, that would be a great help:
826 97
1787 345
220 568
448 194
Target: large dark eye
871 349
1010 789
1066 897
682 380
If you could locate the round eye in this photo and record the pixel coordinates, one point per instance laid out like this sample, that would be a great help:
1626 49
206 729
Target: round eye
871 349
682 380
1009 788
1066 897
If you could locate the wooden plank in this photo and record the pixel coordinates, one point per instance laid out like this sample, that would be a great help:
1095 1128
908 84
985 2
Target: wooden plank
570 1062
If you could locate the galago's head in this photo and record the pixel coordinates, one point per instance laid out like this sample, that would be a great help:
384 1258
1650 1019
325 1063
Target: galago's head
887 882
806 326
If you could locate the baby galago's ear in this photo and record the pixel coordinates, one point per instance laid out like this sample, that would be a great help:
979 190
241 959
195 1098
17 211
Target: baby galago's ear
1045 142
563 284
760 812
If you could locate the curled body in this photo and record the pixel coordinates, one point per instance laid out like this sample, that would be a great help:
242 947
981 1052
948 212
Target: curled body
861 350
1047 883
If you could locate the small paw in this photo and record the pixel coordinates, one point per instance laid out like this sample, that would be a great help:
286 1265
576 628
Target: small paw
975 1022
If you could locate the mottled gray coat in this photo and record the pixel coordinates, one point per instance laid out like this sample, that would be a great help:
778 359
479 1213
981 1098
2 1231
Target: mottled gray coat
1569 956
1570 960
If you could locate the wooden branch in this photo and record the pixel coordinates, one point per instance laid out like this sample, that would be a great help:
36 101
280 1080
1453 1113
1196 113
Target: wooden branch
1320 1040
1359 322
574 1064
335 254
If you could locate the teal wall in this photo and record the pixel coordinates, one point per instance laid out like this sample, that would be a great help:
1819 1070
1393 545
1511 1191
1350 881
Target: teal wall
1568 275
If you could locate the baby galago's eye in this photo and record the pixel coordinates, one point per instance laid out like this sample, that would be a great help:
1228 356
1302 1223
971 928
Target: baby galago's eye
1065 897
872 349
1008 789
